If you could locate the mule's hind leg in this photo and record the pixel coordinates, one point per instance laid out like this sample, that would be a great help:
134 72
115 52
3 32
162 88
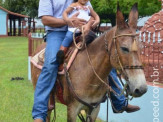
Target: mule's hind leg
48 116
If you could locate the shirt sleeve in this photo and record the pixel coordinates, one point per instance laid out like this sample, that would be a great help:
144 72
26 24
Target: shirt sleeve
89 4
45 8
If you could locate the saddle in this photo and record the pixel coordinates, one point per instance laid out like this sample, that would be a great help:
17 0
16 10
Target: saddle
38 60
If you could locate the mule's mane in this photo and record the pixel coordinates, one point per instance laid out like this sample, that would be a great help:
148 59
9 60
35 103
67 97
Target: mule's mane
108 35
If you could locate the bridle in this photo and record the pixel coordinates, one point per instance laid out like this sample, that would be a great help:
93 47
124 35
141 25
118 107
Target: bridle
122 68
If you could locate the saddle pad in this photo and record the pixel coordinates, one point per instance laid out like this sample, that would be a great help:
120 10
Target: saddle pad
38 59
35 59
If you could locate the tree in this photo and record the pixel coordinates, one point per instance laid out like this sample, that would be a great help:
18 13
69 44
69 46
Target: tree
27 7
107 8
1 2
16 6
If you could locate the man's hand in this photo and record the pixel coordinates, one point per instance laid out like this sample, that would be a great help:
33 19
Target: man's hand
75 22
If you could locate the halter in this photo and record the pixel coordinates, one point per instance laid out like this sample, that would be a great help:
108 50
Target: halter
119 61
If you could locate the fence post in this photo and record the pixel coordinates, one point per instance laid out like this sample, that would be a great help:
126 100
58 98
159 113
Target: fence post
29 55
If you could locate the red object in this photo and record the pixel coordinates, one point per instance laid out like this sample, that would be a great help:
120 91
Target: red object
59 92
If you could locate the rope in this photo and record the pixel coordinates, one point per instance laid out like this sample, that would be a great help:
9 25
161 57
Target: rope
94 69
83 35
107 109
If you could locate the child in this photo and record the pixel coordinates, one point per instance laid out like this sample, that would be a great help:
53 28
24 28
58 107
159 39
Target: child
85 13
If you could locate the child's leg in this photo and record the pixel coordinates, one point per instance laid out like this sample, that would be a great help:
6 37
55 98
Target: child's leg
63 49
67 40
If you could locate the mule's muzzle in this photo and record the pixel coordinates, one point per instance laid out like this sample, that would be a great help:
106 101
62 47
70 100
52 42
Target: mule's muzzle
138 91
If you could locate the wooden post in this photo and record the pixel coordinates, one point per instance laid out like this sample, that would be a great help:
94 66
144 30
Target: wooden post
29 44
29 24
29 54
24 28
10 27
33 25
14 28
19 26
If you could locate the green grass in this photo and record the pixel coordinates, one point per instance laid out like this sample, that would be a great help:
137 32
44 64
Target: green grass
16 97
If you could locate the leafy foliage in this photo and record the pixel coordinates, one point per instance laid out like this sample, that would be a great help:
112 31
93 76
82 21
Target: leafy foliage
27 7
107 8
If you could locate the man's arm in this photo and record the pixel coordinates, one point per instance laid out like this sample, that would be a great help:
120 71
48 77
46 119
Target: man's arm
52 21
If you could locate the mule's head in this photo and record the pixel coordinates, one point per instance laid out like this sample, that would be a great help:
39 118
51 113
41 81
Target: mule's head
125 52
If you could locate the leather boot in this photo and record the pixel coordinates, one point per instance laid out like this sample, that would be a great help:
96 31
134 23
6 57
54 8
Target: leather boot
131 108
60 56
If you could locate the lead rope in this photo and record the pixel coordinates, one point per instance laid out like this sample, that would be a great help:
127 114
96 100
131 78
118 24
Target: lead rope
107 109
108 86
74 40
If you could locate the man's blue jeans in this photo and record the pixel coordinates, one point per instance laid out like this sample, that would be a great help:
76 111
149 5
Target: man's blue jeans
119 102
48 75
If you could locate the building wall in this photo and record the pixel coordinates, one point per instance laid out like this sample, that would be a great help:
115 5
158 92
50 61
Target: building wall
3 23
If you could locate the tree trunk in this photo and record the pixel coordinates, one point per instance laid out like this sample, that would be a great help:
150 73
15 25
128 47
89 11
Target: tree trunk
29 24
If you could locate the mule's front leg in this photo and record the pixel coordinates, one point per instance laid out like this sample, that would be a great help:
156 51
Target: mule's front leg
93 114
72 112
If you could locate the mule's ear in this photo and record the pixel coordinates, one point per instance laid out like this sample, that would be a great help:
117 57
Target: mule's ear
133 16
120 21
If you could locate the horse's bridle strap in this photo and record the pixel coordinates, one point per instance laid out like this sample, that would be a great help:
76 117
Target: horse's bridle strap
133 67
133 35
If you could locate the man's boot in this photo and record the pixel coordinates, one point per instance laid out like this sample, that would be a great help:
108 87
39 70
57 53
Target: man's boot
60 56
131 108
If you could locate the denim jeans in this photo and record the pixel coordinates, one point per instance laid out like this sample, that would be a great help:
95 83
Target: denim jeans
68 39
48 75
119 102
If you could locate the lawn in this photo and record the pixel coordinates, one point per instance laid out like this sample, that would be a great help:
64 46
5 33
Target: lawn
16 96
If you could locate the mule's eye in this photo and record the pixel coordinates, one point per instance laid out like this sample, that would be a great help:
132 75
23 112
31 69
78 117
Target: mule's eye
124 49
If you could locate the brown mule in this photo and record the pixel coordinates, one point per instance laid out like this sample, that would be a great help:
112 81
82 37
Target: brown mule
116 48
